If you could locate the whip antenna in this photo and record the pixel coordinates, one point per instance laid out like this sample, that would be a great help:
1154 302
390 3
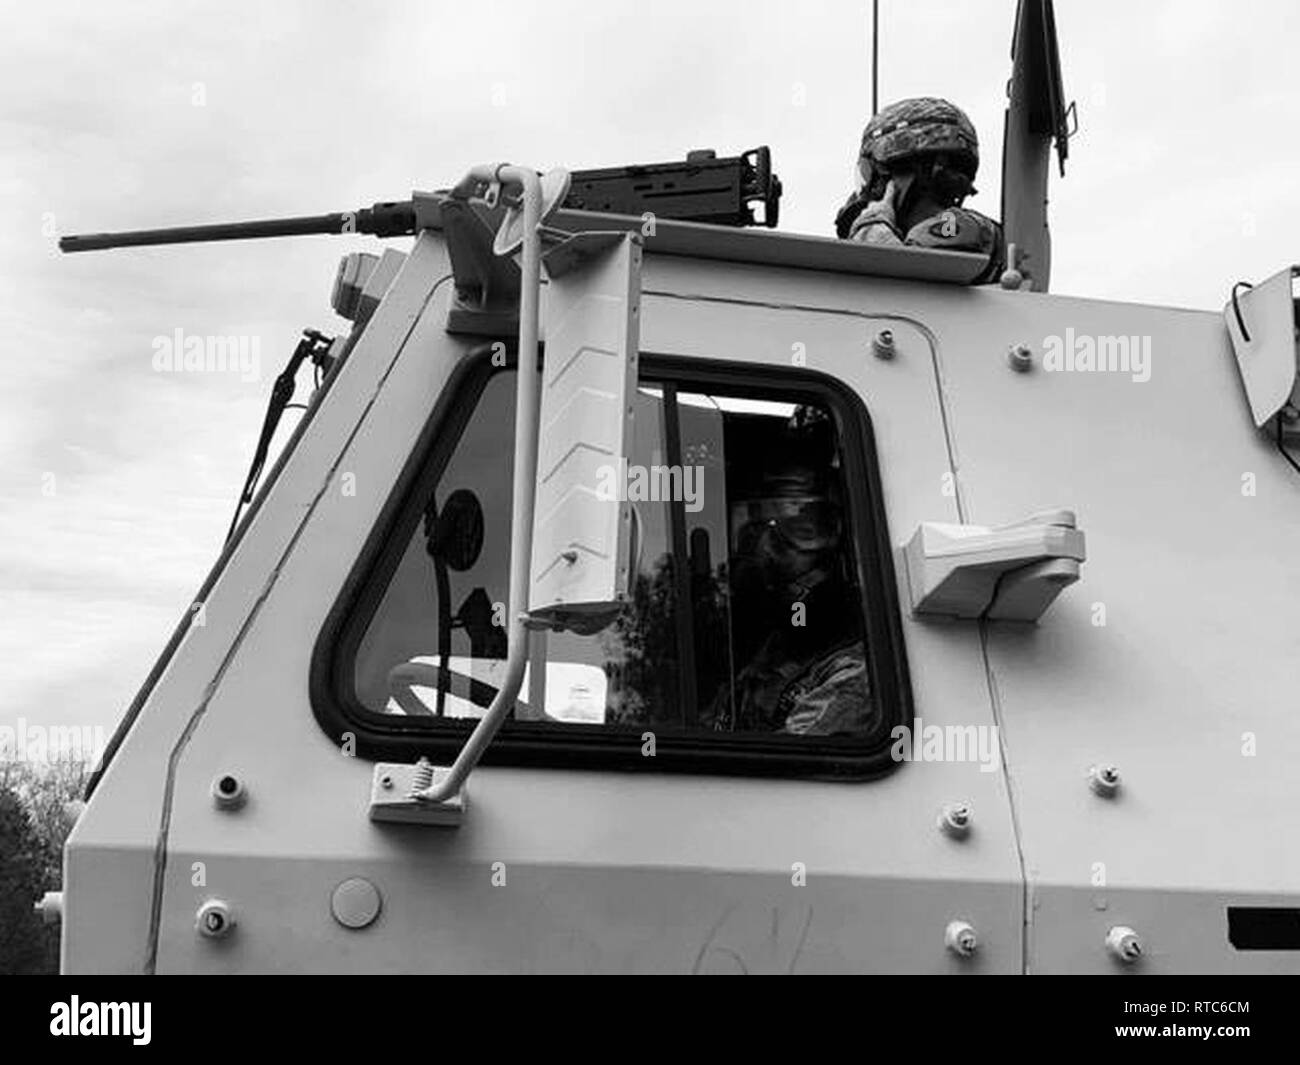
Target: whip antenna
875 56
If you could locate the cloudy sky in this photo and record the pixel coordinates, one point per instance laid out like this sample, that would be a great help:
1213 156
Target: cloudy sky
118 481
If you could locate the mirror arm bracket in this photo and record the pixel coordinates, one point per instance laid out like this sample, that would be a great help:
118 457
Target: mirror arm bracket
430 795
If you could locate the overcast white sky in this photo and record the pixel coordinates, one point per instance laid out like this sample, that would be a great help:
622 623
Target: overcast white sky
1181 180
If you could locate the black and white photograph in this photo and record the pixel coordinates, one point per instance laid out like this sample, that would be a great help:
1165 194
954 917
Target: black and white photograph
717 488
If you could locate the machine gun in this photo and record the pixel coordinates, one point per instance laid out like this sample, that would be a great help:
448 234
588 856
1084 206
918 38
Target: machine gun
704 188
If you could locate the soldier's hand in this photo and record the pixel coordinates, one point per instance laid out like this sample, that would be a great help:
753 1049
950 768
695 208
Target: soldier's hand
883 209
877 224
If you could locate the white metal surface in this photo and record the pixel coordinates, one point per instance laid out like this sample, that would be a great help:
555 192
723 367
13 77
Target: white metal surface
785 251
118 859
581 542
1176 659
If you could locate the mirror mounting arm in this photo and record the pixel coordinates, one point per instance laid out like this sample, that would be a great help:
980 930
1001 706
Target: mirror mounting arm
524 474
435 796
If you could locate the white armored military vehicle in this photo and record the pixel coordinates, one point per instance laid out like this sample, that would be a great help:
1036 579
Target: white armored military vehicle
492 676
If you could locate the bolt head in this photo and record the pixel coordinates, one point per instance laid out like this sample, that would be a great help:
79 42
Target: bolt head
1124 944
960 938
1020 357
955 819
228 791
215 920
1104 780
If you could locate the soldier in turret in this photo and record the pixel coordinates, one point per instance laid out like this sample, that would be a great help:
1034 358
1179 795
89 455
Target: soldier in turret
916 167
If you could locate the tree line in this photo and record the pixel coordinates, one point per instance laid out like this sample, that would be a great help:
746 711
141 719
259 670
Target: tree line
39 803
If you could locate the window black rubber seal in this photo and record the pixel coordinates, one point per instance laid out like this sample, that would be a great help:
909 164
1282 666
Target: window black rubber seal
383 737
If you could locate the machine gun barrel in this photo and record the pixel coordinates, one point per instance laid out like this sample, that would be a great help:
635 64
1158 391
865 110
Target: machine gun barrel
382 220
704 188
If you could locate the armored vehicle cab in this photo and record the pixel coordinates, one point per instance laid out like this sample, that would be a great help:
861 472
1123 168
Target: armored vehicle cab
1064 757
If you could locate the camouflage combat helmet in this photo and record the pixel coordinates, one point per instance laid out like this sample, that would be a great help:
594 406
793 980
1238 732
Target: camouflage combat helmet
924 125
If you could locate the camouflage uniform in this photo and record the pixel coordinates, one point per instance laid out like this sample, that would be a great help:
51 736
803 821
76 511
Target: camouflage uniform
901 139
805 680
809 677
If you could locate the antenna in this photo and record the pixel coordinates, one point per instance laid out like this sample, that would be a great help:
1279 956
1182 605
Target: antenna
875 57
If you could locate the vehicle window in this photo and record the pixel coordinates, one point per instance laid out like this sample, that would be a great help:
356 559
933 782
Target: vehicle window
746 612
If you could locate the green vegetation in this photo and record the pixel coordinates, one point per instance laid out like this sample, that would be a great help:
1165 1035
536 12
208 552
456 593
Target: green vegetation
37 810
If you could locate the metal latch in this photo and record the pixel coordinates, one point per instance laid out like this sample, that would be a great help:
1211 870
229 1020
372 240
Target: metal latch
1006 572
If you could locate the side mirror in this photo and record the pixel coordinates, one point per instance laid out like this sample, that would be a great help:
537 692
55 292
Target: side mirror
456 538
582 532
